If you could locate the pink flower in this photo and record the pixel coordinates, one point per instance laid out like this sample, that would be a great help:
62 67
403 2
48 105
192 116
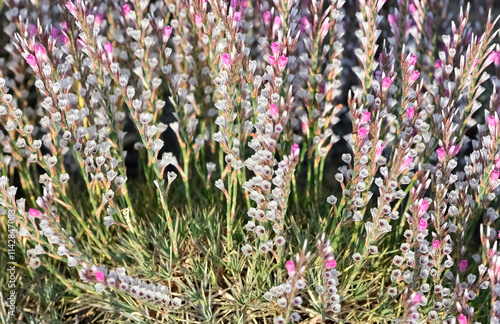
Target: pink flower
277 21
454 149
295 149
492 121
237 16
422 225
64 26
424 205
392 19
410 112
31 60
34 212
109 49
226 59
495 58
494 175
98 19
413 60
386 83
417 298
305 23
282 60
99 275
475 63
198 21
126 10
413 9
267 17
40 51
70 6
438 63
330 264
54 33
462 319
64 39
363 132
407 162
366 117
272 60
380 150
167 31
435 244
441 152
463 265
414 76
290 267
275 48
274 110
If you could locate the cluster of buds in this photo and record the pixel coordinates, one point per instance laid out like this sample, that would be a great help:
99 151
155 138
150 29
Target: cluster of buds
271 203
327 290
158 294
286 295
493 269
411 314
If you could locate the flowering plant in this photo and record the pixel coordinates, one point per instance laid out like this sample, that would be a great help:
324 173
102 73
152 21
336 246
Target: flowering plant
362 126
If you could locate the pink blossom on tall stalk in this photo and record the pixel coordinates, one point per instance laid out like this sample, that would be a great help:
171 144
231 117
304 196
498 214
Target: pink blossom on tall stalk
492 123
167 31
410 112
282 61
494 175
40 52
407 162
237 16
99 275
70 6
290 267
413 60
31 60
417 298
463 265
126 10
226 59
330 264
441 152
424 206
414 76
98 20
462 319
386 83
275 48
422 225
365 117
198 21
267 17
274 110
495 58
305 24
363 132
272 60
34 212
277 22
436 244
109 50
295 149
